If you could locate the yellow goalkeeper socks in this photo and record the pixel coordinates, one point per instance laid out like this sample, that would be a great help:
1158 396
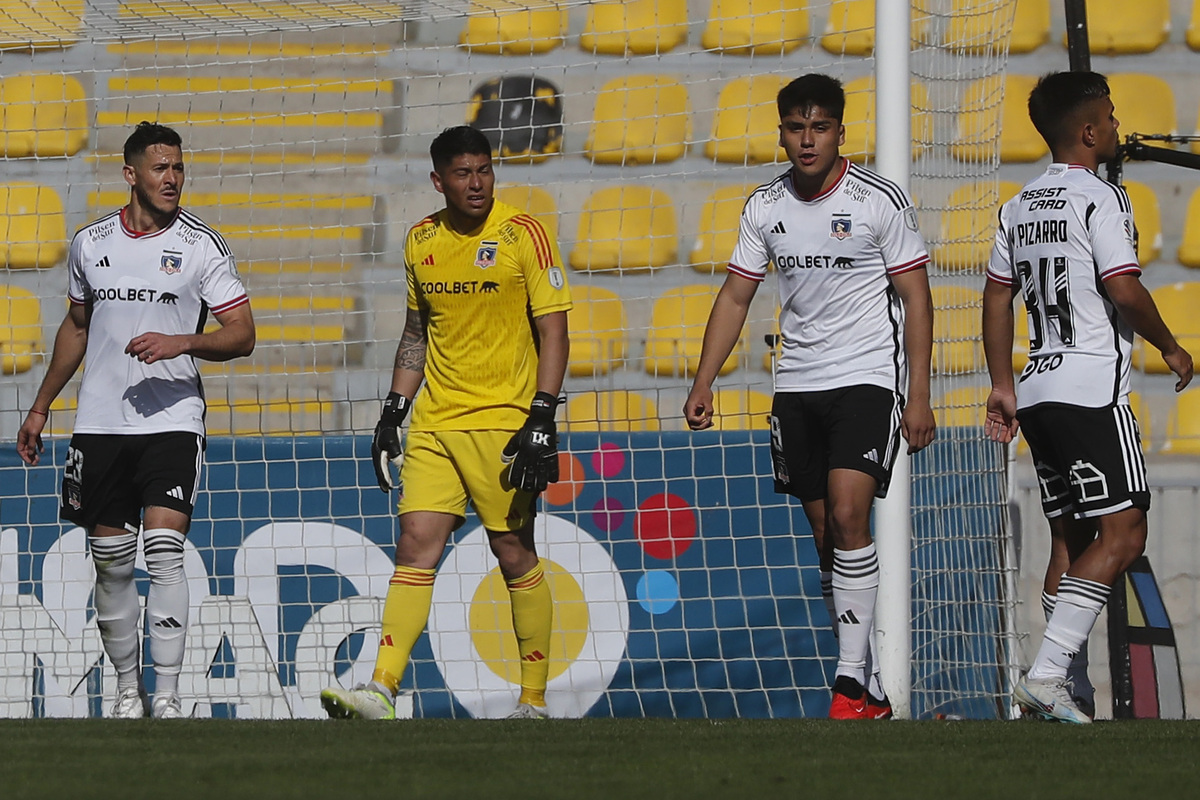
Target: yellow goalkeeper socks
533 617
405 612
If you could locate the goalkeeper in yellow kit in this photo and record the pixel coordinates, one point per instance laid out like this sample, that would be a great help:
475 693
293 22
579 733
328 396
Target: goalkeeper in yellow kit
486 331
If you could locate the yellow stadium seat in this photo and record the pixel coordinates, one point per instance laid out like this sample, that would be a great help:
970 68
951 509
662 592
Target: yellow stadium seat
266 13
33 228
859 119
598 328
968 225
616 411
507 27
676 332
957 339
626 227
718 228
273 417
1183 425
1114 30
40 24
1189 248
741 409
850 27
20 329
962 408
639 119
973 25
1179 305
986 119
1148 218
42 115
1144 103
1193 29
755 27
746 125
535 200
642 27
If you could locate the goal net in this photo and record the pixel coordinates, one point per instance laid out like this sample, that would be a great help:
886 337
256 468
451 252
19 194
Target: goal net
634 130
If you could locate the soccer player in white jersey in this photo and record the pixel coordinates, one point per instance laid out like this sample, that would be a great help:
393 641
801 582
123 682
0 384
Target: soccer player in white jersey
141 282
856 320
1066 244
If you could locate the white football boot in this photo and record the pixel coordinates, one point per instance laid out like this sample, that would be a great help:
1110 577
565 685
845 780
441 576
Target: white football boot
1049 699
528 711
167 706
131 703
364 701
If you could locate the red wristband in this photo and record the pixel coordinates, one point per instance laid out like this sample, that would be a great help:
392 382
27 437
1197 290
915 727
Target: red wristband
43 413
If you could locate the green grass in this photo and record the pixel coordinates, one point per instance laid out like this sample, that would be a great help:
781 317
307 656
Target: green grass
595 758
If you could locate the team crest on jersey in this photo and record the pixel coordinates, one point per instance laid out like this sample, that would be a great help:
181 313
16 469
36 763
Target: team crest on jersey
172 263
485 256
839 228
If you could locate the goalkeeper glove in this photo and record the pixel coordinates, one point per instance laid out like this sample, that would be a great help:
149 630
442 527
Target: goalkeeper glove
532 452
385 446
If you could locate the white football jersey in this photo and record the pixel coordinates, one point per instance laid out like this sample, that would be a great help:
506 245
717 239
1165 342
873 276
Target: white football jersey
164 282
1059 239
841 321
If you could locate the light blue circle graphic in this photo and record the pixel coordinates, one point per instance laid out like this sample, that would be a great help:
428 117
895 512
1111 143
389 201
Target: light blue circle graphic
657 591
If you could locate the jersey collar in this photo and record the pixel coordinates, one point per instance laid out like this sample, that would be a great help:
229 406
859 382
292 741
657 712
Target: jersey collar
832 187
132 234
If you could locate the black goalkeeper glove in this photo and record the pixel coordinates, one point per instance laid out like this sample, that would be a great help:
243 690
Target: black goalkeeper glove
532 452
385 446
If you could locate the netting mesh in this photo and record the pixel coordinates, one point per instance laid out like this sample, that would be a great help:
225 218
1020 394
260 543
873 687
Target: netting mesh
306 127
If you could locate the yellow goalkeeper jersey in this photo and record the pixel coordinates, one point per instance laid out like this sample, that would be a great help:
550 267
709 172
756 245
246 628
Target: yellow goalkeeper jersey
480 293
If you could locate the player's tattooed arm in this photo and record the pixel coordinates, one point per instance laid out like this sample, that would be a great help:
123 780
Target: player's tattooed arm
410 355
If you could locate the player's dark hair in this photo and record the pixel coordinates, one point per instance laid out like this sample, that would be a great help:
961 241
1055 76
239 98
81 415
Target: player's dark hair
813 91
147 134
1056 99
460 140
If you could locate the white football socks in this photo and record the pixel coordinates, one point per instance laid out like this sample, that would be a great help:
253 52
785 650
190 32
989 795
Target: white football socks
855 585
166 606
118 610
874 680
1077 672
1075 612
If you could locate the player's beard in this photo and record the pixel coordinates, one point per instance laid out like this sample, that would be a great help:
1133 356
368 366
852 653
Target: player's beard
147 201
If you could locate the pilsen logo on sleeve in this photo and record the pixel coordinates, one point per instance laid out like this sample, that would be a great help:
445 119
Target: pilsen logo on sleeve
172 262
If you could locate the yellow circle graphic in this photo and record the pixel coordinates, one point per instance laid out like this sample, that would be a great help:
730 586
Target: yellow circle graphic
490 622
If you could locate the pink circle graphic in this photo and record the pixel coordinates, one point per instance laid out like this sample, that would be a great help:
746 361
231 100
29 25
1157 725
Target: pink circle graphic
608 461
608 514
665 525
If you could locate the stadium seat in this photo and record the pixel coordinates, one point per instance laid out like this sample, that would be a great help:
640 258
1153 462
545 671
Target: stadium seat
33 228
639 119
20 329
535 200
265 13
616 411
1189 247
973 25
598 330
717 228
968 225
957 314
626 227
676 332
963 407
1148 218
1179 305
859 119
40 25
755 27
271 417
850 27
493 27
1144 103
1193 29
42 115
641 27
746 125
1114 30
985 119
741 409
1183 425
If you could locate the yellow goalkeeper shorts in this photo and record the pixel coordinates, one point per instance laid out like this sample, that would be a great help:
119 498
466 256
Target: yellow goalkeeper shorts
442 469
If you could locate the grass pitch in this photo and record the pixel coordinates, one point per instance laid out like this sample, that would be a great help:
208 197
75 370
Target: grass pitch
595 758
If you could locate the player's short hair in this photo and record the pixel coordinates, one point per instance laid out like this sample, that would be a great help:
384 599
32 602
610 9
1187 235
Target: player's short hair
460 140
813 91
1056 99
147 134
